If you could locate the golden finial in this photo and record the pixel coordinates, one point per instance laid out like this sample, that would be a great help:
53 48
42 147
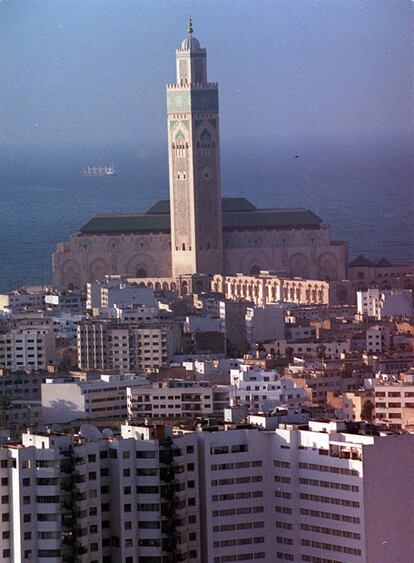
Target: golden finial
190 26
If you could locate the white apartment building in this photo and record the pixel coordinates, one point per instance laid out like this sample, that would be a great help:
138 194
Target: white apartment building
98 499
321 494
170 399
256 389
304 495
212 370
27 349
368 302
106 398
117 291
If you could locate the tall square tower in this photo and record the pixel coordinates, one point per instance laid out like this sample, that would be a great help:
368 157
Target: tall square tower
194 164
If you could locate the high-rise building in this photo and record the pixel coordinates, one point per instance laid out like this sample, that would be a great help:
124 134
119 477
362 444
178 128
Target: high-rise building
328 493
194 164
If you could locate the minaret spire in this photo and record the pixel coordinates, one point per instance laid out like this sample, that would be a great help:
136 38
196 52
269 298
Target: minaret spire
194 163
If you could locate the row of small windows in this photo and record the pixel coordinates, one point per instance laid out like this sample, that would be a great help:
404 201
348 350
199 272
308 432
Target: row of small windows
183 246
184 146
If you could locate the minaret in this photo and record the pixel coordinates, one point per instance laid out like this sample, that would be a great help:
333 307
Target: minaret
194 164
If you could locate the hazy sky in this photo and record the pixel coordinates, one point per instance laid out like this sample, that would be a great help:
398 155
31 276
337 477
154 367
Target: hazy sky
94 71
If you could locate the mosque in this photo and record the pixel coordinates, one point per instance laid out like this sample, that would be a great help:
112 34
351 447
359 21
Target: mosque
197 231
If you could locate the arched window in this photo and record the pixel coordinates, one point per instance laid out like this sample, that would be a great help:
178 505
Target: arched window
255 270
183 247
141 273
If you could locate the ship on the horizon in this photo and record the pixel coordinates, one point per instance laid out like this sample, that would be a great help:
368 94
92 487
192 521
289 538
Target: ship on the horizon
107 170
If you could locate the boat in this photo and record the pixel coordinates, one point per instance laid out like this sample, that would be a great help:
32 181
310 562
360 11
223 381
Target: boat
107 170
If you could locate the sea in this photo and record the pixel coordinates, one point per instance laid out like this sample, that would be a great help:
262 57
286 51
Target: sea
363 189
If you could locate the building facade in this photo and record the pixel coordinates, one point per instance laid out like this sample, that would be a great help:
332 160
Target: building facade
242 494
126 348
199 232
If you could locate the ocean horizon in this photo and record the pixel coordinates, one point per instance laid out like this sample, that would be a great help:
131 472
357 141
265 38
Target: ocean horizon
364 192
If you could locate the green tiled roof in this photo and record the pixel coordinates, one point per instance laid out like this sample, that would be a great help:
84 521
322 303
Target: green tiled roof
228 204
270 218
238 213
134 222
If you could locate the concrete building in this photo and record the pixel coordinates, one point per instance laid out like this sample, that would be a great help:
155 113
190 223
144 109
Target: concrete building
170 399
233 318
321 378
96 499
127 347
106 398
394 401
265 323
65 301
117 290
197 231
322 493
377 303
260 390
28 298
333 350
27 349
378 339
368 302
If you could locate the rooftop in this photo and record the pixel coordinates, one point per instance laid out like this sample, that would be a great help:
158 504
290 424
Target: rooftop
238 213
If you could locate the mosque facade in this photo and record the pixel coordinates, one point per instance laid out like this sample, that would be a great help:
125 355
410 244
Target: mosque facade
197 231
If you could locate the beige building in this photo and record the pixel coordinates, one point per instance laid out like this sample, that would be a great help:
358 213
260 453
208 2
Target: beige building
266 288
198 231
349 406
394 402
170 399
